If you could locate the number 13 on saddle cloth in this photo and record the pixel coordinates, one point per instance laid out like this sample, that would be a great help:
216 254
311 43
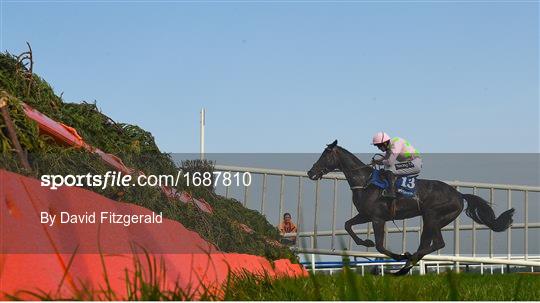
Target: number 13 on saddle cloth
405 185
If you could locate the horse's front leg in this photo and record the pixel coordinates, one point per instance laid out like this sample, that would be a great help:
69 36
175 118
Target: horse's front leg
358 219
378 230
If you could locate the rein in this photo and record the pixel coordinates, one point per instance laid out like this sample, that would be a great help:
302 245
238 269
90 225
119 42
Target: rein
349 171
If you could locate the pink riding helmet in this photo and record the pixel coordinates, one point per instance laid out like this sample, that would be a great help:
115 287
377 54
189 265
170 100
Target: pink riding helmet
380 137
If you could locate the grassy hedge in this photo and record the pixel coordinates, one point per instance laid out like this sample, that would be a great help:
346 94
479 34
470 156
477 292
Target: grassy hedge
137 148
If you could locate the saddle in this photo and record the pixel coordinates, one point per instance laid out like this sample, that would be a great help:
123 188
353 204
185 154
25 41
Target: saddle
405 185
405 188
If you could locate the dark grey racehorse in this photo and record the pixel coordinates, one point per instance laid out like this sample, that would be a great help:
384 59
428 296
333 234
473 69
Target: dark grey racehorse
439 204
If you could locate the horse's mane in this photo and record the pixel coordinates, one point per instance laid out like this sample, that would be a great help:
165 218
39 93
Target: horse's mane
352 156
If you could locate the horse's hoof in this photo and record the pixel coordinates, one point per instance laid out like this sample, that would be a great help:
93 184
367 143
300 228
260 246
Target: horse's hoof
406 256
368 243
403 271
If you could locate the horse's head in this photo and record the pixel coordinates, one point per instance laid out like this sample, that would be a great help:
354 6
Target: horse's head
328 161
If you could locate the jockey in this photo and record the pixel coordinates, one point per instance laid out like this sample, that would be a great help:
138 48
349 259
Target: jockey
401 159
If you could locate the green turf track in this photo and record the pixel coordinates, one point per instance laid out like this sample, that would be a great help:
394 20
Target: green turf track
350 286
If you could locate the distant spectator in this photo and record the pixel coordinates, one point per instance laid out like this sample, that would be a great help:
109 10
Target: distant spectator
287 226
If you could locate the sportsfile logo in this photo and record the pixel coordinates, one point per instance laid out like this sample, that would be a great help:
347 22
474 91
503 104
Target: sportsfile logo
110 178
119 179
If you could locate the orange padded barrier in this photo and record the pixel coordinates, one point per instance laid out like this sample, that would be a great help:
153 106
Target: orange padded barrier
60 132
61 258
67 135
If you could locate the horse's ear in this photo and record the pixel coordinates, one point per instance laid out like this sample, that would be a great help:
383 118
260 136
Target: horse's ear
333 144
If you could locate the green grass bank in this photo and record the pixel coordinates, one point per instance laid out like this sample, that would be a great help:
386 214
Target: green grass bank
138 150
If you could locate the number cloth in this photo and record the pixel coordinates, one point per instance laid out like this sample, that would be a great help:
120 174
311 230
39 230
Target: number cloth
405 185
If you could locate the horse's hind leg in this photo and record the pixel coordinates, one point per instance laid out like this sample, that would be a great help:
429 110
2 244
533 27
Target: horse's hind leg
358 219
434 221
378 230
431 233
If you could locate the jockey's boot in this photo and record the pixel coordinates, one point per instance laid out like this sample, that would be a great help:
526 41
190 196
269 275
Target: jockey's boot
390 192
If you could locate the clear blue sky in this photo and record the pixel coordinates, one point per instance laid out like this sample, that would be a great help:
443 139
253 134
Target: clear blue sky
292 76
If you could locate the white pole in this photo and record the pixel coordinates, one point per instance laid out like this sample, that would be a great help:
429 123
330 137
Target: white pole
202 132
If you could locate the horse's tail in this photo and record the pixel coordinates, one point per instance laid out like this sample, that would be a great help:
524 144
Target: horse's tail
479 210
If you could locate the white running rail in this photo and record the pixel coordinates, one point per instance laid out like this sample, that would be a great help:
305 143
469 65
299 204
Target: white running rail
456 259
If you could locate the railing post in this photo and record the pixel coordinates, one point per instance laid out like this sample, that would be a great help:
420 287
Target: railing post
385 235
421 268
491 197
316 217
312 255
334 213
404 237
526 226
368 233
263 193
299 217
474 229
509 231
456 239
246 195
281 191
456 243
